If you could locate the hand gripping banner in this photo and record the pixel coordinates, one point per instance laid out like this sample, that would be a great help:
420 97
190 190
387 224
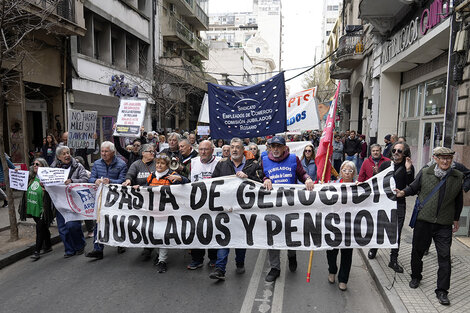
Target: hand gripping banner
235 213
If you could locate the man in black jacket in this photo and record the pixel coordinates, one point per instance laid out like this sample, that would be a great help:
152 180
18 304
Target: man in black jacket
404 174
242 164
352 147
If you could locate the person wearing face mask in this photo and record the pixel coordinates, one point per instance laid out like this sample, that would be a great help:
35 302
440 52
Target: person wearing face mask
403 173
437 219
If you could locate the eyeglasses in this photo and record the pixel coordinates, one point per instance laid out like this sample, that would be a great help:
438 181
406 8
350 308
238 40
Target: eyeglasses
36 164
346 170
445 158
397 151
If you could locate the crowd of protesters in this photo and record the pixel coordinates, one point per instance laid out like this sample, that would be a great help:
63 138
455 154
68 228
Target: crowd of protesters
181 157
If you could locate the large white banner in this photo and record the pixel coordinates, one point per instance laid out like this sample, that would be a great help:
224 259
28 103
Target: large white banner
235 213
302 111
74 201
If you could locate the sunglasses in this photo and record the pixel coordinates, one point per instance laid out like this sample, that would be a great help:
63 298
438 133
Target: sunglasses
397 151
308 150
36 164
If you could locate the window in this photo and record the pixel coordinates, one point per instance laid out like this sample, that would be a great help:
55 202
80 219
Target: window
435 96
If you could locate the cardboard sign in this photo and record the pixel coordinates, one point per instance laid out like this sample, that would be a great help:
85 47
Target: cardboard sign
81 128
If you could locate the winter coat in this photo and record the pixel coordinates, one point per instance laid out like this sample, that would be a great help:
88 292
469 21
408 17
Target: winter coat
252 168
115 172
367 168
77 172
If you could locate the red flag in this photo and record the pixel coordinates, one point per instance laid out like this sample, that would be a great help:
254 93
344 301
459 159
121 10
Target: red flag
325 149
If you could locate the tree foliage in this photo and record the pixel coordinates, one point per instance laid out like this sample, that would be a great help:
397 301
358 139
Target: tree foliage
320 77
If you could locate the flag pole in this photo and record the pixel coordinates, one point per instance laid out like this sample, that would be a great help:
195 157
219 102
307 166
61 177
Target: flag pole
309 269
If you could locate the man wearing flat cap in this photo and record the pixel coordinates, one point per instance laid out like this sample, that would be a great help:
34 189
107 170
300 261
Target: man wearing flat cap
282 167
437 219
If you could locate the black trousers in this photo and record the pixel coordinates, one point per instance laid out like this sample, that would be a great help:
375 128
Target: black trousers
43 235
198 255
345 263
423 233
401 212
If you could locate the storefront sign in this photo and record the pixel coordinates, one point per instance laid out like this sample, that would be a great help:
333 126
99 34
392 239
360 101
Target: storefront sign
438 11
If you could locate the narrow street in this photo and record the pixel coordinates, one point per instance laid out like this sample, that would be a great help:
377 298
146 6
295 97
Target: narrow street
124 283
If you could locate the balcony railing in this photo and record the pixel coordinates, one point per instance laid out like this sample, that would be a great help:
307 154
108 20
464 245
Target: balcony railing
337 72
63 8
201 15
202 48
350 50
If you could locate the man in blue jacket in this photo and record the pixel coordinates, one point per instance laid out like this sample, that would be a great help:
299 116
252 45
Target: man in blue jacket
108 169
282 167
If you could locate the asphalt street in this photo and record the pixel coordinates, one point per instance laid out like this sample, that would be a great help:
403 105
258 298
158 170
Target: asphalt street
124 283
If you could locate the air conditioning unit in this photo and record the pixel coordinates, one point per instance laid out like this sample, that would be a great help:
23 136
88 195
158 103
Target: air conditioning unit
172 8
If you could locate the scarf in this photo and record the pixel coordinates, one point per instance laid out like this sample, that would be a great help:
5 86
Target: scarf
440 173
160 175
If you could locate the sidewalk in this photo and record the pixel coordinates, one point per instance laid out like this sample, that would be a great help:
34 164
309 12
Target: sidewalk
394 287
10 252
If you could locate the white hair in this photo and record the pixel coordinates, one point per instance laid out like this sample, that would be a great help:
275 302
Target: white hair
109 145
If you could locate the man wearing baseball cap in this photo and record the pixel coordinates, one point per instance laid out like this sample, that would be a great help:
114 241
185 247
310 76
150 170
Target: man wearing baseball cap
282 167
438 218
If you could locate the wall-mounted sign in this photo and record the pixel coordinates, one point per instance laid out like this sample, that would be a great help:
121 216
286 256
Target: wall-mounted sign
121 89
438 11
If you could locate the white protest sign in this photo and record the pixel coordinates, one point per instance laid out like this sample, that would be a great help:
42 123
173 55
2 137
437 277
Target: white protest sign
204 112
19 179
81 128
234 213
203 130
74 201
296 147
302 111
130 117
52 176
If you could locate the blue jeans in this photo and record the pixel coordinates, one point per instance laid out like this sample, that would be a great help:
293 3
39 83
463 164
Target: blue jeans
71 234
359 163
352 158
222 256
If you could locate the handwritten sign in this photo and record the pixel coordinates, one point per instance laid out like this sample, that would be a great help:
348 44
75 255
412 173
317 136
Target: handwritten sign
19 180
130 117
50 176
82 127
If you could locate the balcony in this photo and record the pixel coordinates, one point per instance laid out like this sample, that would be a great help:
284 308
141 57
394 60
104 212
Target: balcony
193 12
66 16
338 72
350 50
174 30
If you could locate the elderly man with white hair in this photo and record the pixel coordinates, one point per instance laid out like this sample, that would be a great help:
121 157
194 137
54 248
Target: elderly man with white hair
108 169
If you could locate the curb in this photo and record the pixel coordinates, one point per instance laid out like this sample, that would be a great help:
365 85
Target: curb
392 301
21 253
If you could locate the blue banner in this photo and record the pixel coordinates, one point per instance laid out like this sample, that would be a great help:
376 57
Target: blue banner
252 111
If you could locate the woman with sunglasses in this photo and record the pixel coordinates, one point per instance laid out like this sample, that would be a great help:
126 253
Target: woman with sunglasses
308 161
163 177
36 203
347 174
253 147
137 175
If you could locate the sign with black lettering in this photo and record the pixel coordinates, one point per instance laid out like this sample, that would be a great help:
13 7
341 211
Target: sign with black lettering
234 213
130 117
82 127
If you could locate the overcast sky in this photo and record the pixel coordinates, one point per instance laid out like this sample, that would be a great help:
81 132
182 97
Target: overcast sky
302 31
